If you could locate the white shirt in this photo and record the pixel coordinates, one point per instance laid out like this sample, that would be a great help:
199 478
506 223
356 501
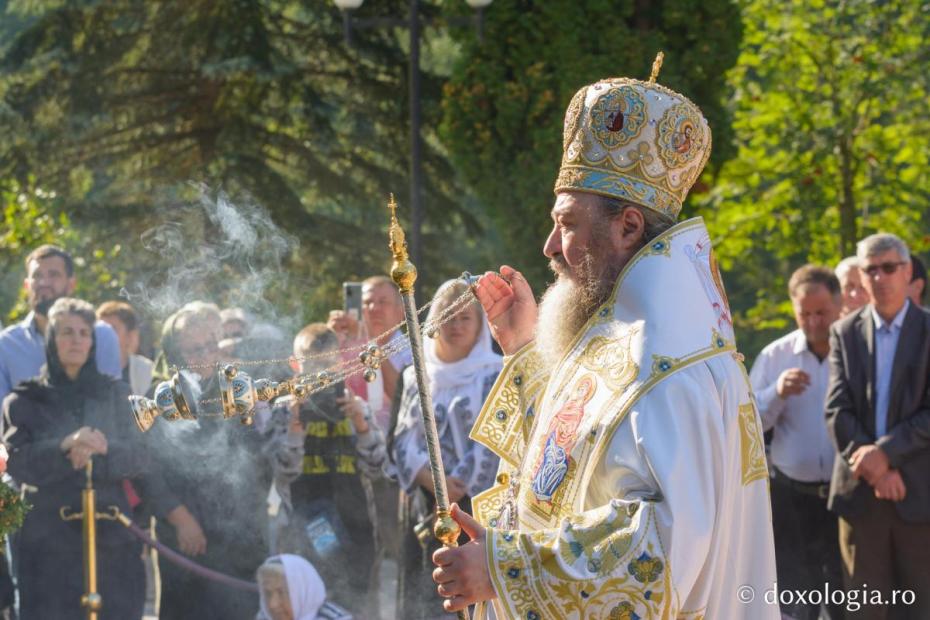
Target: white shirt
140 373
801 447
886 345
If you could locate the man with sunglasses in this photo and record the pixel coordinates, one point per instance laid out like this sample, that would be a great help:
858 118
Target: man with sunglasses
878 413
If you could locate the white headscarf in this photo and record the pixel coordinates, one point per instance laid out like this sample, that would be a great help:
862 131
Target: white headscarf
304 586
466 370
458 390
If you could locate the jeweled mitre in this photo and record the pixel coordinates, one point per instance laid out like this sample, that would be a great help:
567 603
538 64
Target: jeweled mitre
636 141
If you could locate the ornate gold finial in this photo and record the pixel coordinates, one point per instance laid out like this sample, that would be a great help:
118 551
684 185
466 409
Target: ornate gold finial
656 67
398 240
445 529
403 272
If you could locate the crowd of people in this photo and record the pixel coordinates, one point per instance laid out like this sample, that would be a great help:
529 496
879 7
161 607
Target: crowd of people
845 400
328 488
313 493
610 465
314 498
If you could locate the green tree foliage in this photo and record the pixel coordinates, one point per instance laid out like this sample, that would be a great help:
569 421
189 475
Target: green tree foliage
832 122
503 107
30 220
116 106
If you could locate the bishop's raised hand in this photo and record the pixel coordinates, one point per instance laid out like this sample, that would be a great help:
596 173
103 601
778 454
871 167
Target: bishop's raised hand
508 301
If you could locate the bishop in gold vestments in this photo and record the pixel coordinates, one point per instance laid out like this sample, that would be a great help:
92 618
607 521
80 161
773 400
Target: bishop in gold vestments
633 481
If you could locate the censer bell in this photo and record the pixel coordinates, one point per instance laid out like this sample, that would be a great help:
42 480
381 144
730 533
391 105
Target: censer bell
240 392
174 400
371 358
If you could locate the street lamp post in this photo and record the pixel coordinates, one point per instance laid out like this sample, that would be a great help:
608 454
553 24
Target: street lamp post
412 25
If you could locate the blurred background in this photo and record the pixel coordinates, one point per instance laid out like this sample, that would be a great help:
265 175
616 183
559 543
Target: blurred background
242 151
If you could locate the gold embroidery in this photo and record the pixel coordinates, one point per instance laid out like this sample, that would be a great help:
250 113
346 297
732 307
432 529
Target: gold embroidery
572 118
500 425
532 584
507 572
602 536
611 360
619 406
752 453
555 479
557 580
559 504
486 506
623 611
618 116
680 136
646 568
618 185
718 341
621 150
661 246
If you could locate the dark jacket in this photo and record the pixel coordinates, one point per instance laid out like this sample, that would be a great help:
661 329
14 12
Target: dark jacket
213 467
850 411
37 417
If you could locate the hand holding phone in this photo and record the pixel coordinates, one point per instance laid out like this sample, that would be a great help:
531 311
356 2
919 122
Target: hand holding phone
343 325
324 405
352 299
353 407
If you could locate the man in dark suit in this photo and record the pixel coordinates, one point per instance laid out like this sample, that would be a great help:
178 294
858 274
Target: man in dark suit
878 412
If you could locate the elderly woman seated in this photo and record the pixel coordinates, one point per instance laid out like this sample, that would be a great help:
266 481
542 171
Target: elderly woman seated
291 589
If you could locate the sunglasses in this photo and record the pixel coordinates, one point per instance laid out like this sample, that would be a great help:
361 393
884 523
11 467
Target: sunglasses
886 268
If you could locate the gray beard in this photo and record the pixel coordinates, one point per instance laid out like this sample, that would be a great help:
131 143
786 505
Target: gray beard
567 305
560 318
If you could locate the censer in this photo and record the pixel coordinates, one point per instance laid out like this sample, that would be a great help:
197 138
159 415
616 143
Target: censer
174 399
239 392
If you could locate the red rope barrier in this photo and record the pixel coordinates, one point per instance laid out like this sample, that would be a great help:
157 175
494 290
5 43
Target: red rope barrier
179 560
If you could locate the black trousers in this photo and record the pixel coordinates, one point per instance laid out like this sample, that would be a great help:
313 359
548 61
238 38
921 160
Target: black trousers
807 550
51 583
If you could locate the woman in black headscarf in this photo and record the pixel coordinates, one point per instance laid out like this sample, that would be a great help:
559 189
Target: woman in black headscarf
54 425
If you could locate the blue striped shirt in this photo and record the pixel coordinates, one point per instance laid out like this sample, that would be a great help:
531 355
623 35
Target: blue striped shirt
886 345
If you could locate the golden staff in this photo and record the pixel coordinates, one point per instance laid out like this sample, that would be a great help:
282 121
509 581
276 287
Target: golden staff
404 274
92 601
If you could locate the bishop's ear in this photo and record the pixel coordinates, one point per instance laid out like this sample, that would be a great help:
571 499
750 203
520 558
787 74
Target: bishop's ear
627 230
